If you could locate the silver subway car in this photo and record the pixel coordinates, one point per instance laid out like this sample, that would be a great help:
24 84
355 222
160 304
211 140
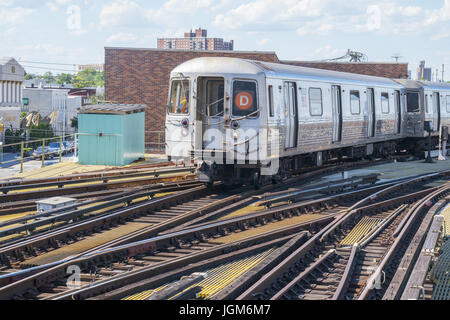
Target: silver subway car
250 121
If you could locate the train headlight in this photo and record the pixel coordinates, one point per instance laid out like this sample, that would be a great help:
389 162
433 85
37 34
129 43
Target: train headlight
185 123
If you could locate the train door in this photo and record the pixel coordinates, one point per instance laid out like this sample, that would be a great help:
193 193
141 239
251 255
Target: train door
436 111
291 105
371 111
398 112
336 97
211 93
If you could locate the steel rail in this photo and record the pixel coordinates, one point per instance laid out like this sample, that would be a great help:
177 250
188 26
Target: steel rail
108 201
86 175
98 221
157 275
345 280
54 271
421 268
304 274
427 202
399 281
379 194
75 213
321 236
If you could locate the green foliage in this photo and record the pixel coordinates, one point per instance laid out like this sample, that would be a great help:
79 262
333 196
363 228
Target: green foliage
43 130
97 99
89 78
74 123
29 76
48 77
23 115
64 78
13 136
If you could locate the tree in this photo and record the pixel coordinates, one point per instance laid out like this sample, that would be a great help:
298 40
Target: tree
74 123
13 136
64 78
89 78
42 131
29 76
48 77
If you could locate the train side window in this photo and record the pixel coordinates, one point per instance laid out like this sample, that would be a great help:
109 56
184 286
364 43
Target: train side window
412 99
448 104
385 102
427 110
245 98
215 91
315 102
270 96
355 103
179 97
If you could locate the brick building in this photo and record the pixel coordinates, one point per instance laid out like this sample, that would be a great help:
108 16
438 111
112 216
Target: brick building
141 76
197 40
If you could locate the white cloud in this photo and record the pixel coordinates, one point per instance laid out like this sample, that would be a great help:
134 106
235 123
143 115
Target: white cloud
122 38
263 42
121 12
13 16
128 13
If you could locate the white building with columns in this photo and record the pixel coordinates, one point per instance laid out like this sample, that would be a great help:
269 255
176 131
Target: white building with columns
12 75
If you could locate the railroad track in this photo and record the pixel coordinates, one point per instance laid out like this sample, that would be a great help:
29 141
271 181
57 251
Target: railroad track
157 214
26 190
145 255
328 266
16 254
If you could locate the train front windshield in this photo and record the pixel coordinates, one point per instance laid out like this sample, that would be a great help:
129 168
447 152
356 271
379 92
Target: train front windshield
179 97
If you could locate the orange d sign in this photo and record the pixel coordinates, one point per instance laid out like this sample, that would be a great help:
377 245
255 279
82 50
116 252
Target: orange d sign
244 100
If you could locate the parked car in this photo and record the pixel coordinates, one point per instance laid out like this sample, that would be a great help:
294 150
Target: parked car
27 152
65 147
49 153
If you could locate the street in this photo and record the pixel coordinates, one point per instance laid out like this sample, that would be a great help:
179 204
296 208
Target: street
11 169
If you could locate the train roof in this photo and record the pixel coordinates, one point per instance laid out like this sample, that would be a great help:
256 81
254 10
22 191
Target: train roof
427 85
218 65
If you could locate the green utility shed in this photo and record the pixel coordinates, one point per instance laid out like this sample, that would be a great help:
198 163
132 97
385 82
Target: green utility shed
111 134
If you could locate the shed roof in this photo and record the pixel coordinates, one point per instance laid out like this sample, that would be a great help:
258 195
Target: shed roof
113 108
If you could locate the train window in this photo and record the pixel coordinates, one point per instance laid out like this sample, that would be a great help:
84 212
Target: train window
426 104
179 97
215 91
315 102
270 94
413 104
245 99
355 103
448 104
385 102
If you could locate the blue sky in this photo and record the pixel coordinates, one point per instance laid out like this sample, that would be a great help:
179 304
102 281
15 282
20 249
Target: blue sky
53 31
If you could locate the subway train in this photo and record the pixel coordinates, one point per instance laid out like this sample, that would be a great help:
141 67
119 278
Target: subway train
243 121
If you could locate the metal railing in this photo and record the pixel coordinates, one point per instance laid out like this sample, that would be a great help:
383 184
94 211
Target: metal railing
155 142
26 152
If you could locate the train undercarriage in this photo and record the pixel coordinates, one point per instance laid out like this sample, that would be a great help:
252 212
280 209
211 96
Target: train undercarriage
251 173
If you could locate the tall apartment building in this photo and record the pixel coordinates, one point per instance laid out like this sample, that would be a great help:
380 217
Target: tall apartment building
197 40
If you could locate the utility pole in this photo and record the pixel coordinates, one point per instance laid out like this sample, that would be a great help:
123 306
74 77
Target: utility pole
443 72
